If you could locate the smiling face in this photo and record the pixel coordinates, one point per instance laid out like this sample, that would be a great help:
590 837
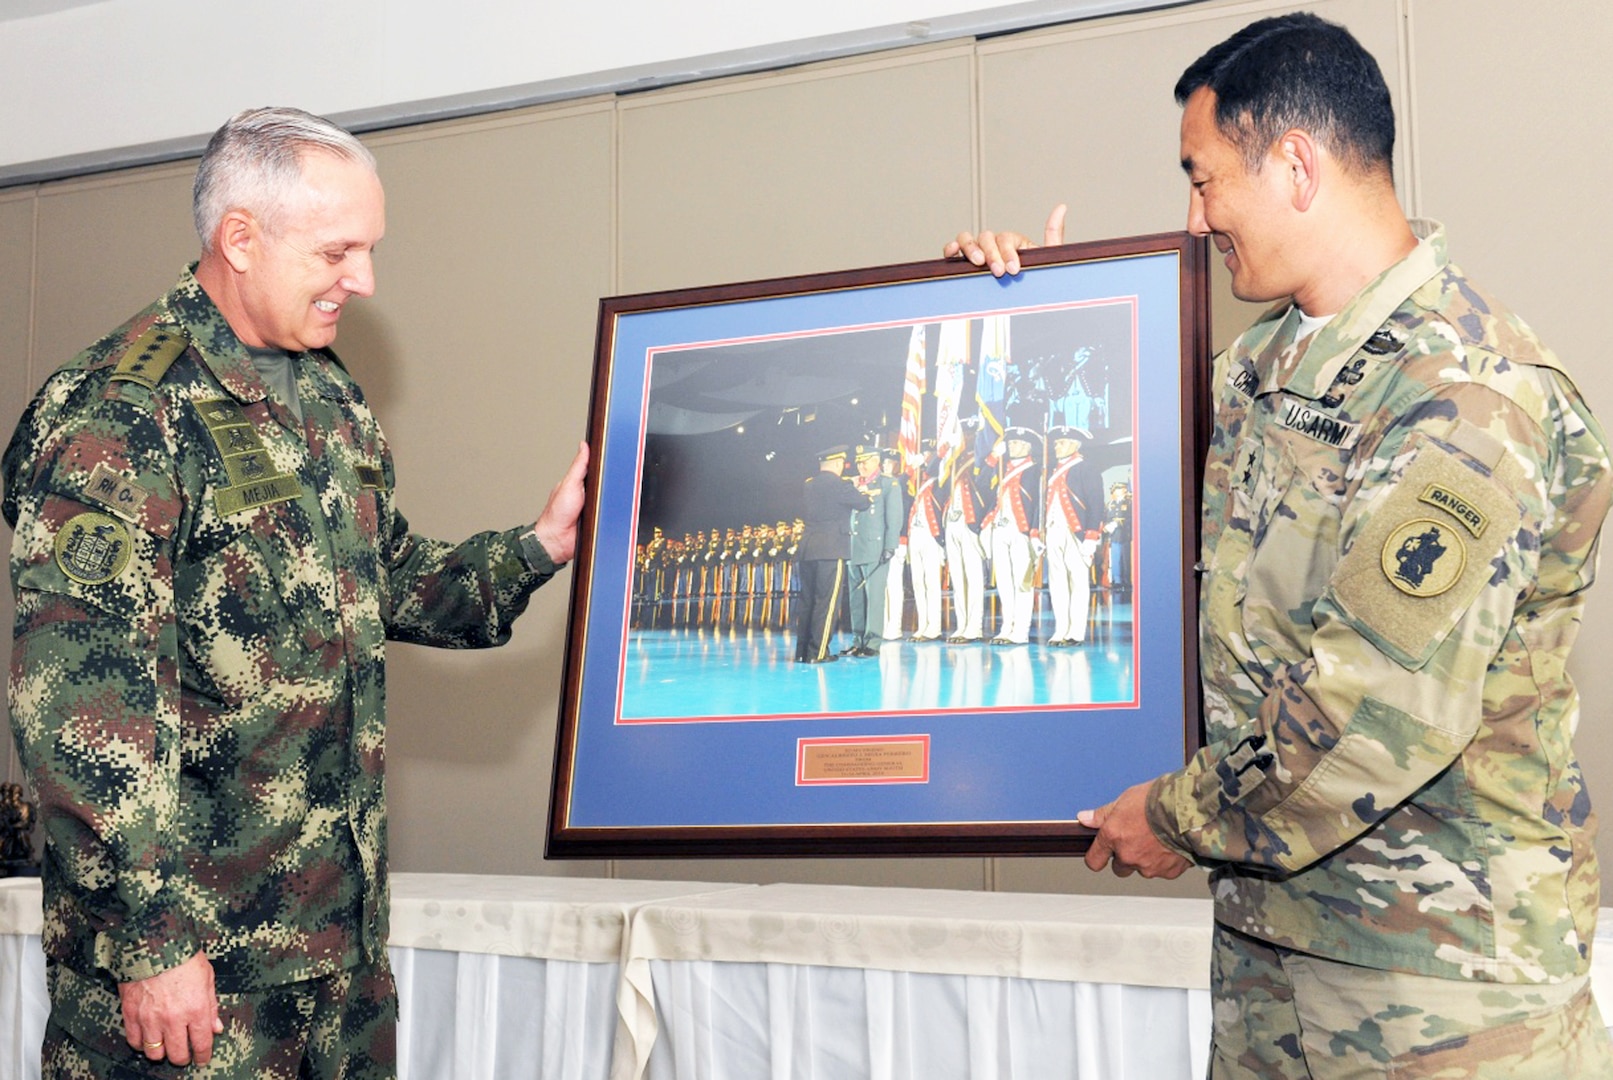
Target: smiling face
1244 212
293 284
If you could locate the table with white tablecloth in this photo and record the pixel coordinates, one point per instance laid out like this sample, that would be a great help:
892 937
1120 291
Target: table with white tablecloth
887 983
497 976
555 978
515 976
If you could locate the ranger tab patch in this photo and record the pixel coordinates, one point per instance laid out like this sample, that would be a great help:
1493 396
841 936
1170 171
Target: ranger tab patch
93 548
1471 517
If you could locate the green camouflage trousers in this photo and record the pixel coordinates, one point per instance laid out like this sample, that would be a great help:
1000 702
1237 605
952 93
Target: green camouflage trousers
1281 1015
339 1027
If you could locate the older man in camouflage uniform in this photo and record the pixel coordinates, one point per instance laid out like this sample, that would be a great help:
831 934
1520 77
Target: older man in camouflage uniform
1401 508
208 563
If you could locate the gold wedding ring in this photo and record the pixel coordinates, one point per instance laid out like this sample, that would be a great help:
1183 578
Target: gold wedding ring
154 1046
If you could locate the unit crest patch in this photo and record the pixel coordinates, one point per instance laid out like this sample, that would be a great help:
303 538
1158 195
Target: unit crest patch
1423 557
93 548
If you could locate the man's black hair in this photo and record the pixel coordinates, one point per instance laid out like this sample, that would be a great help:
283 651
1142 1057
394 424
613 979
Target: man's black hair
1297 71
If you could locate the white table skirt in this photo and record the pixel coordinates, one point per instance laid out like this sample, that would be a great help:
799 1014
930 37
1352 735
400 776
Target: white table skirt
474 1016
736 1021
23 1004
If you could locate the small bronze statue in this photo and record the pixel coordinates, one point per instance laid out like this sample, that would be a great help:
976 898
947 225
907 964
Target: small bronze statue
16 833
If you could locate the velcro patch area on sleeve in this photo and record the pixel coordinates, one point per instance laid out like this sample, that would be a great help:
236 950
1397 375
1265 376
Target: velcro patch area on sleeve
1425 554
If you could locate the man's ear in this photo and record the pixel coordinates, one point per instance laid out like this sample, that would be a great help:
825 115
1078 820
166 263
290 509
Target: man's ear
239 239
1301 159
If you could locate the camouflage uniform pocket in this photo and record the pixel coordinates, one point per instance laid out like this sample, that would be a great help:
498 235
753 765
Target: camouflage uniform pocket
1294 534
244 626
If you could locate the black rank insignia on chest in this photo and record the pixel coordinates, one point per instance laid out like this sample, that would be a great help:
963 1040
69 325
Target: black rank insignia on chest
250 476
1349 375
1383 342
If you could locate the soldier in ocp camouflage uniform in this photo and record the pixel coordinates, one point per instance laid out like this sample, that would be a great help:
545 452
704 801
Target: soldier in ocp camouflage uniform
1401 508
1390 782
208 563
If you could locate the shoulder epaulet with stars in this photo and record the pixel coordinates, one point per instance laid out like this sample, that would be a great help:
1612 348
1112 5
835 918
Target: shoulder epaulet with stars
150 356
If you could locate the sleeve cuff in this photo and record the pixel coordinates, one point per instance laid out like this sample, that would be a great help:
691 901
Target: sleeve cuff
142 948
535 555
1160 820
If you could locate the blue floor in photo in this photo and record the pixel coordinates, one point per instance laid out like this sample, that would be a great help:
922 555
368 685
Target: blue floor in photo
729 671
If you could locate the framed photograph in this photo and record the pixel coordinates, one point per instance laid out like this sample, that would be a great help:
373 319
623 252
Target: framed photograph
889 561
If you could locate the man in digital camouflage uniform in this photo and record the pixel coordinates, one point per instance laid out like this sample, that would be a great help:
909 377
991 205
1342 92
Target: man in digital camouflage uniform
1401 508
208 563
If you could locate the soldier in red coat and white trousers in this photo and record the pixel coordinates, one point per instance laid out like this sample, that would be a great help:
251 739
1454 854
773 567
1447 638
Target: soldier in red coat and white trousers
1013 526
1072 525
926 551
966 550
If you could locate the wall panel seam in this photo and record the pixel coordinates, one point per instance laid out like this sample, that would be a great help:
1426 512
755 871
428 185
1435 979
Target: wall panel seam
977 139
1143 22
905 56
523 117
1408 94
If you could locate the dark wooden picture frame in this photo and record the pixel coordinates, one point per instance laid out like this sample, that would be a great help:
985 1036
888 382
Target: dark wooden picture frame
687 728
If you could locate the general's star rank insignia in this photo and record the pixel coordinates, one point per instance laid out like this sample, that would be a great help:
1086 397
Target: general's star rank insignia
92 548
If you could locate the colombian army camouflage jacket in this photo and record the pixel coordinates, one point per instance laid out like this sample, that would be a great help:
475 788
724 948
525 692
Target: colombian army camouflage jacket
1399 525
204 589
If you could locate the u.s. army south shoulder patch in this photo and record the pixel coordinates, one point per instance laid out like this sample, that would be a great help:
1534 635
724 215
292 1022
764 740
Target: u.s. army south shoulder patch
1426 553
93 548
1423 557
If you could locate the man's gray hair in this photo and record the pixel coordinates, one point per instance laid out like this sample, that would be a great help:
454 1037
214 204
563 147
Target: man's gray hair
254 162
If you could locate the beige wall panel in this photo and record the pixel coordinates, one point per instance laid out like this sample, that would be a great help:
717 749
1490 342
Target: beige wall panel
16 309
1085 116
476 352
831 167
1071 875
1512 109
16 381
107 247
16 295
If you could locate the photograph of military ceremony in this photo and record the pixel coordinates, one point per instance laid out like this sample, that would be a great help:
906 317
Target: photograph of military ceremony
942 508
